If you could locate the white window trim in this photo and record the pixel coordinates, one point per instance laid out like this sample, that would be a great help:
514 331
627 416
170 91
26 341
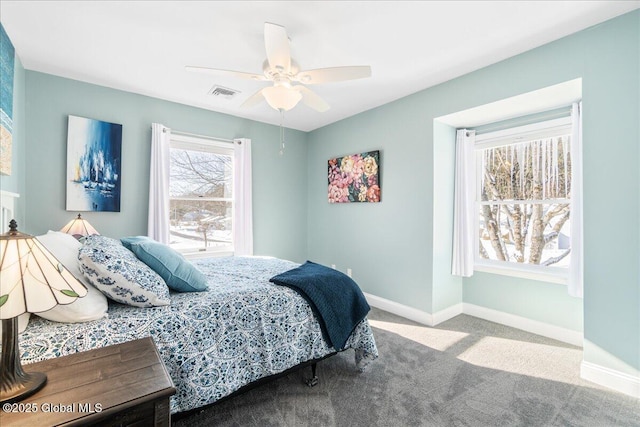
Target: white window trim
519 134
530 132
201 144
211 253
558 275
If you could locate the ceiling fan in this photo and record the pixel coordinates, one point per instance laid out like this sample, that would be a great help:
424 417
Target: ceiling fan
288 80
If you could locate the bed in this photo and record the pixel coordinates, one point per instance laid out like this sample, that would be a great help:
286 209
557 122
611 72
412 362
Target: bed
214 342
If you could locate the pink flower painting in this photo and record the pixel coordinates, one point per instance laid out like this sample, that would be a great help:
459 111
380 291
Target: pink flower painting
354 178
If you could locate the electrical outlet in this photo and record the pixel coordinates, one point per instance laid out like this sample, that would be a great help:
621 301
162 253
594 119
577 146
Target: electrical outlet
349 272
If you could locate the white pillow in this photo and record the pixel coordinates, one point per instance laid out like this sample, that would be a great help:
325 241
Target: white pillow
92 306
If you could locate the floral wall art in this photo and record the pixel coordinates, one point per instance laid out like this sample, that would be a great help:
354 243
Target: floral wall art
354 178
93 165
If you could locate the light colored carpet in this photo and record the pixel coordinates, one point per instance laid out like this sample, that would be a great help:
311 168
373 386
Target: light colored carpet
464 372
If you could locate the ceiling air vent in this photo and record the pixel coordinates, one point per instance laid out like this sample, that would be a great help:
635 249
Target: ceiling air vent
223 92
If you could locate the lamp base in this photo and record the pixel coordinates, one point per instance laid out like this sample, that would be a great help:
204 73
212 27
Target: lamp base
28 385
15 384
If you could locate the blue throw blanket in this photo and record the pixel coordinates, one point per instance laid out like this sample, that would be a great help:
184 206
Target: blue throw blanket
334 297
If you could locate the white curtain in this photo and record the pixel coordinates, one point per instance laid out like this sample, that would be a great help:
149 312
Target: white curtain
577 250
242 208
464 207
158 225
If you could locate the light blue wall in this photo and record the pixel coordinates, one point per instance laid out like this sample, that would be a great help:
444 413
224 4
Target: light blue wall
15 183
383 243
279 183
392 247
397 248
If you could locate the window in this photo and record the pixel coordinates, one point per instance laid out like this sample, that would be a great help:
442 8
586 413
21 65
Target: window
200 195
523 195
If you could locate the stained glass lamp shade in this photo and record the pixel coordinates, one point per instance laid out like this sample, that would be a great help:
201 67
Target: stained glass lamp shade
31 280
79 227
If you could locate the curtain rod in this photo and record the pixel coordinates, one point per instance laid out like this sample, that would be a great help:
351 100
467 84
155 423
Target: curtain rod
177 132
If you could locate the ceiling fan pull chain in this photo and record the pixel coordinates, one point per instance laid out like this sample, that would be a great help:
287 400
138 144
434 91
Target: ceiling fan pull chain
281 132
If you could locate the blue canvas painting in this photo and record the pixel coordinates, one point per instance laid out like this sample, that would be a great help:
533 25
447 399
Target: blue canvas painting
7 58
94 155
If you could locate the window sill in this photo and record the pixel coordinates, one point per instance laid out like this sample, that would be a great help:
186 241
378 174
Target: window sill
206 254
549 275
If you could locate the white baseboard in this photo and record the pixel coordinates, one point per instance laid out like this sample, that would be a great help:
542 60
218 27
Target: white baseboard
414 314
533 326
618 381
607 377
446 314
400 309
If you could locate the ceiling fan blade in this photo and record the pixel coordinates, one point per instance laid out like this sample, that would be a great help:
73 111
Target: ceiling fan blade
253 100
311 99
217 71
334 74
276 43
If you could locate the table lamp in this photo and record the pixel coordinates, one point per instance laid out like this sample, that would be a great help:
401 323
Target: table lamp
79 227
31 280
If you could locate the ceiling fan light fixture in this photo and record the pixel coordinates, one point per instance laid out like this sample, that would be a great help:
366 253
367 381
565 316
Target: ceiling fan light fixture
282 70
281 97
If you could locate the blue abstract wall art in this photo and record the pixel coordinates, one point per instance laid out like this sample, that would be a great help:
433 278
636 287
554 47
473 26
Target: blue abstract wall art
7 58
94 157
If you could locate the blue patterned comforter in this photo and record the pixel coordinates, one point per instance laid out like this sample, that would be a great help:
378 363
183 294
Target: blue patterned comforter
214 342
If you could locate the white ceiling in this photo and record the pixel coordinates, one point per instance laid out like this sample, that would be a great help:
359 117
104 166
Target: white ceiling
143 46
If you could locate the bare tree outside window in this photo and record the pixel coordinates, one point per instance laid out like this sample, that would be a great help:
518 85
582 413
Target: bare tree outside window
200 190
524 202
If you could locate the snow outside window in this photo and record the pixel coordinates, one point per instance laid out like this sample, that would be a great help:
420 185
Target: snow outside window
200 195
523 195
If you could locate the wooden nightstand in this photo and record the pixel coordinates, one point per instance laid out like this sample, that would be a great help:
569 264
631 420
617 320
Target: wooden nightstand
124 384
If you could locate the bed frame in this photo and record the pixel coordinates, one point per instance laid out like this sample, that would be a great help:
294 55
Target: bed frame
311 382
7 211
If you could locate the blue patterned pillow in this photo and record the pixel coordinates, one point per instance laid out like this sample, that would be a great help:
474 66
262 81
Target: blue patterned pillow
120 275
